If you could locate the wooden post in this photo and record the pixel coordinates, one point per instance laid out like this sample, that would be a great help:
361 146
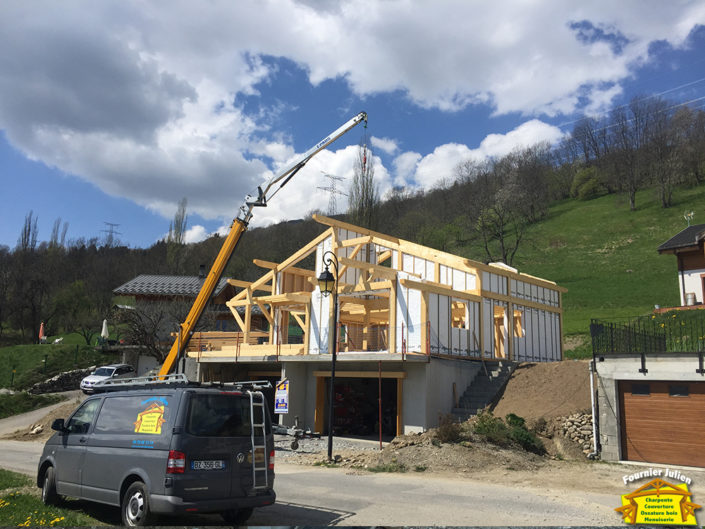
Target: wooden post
392 338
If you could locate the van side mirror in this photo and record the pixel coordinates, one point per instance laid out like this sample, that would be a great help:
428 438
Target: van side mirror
58 425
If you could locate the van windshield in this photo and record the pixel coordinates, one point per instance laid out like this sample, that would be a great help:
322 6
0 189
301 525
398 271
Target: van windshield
221 415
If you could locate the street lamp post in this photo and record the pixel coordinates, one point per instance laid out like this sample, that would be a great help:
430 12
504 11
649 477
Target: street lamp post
328 283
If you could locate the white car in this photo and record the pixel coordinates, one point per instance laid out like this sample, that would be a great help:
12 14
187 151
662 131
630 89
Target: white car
104 373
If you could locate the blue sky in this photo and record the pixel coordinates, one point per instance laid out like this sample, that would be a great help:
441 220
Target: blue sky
113 111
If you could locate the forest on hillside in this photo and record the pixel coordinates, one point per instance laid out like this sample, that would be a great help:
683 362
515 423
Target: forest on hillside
482 211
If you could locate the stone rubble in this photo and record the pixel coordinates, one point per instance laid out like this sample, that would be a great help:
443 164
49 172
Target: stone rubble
67 381
578 428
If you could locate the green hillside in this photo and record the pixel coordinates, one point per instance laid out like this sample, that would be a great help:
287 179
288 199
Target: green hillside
605 254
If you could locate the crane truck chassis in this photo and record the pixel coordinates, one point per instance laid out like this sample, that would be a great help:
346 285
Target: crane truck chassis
265 192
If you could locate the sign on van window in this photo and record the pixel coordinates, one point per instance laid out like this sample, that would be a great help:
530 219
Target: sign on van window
281 397
133 414
150 420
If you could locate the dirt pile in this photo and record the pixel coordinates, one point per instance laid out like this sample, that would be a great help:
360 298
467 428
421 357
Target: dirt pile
546 390
61 412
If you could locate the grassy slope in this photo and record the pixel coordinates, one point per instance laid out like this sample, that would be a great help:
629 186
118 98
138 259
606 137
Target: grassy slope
605 255
28 362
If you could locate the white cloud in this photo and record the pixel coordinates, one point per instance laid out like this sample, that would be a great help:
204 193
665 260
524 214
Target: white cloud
139 100
195 233
384 144
438 167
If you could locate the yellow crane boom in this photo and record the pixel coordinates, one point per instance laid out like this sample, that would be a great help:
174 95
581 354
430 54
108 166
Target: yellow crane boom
238 227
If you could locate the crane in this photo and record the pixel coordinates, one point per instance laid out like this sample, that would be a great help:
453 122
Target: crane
265 192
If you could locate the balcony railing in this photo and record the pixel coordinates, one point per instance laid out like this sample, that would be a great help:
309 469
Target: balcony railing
676 331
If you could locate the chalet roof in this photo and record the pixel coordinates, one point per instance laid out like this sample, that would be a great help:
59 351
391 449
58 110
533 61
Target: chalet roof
153 285
691 236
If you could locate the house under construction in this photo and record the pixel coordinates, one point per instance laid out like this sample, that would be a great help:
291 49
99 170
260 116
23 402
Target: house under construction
415 327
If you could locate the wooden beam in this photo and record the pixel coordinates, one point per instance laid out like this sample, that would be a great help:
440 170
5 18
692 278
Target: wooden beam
237 317
290 270
439 289
519 301
454 261
279 299
300 254
299 321
377 285
306 329
358 241
318 421
265 312
384 256
248 284
392 329
400 407
361 374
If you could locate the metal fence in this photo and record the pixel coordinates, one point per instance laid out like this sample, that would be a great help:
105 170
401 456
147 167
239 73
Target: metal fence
675 331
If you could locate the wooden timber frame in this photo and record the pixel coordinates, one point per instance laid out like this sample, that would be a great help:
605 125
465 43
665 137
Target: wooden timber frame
372 268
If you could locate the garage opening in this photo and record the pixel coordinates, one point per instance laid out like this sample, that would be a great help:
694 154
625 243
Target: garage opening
356 410
356 407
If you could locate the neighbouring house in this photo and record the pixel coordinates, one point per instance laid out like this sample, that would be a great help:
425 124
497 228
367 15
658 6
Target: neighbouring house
415 328
689 248
167 299
651 388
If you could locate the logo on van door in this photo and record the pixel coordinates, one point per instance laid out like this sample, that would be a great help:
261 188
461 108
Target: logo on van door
151 419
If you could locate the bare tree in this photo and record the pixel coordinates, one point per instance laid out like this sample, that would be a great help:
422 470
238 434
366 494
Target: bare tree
28 236
630 133
151 323
175 239
364 194
58 234
177 228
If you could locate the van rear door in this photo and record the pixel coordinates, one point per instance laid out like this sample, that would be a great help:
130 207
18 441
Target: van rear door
217 446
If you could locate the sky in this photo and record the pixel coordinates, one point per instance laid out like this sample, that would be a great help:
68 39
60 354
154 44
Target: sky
111 112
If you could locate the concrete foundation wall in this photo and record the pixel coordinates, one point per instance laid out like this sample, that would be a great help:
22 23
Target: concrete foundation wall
442 374
427 390
662 367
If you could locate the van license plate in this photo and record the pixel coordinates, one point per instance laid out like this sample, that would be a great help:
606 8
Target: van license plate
208 465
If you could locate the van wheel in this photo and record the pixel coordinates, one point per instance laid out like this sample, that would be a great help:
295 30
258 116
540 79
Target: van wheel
237 516
49 495
135 506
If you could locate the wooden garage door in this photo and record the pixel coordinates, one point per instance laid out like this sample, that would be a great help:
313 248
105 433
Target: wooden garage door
663 422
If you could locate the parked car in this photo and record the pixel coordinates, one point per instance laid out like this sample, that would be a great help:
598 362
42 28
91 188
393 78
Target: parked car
164 447
105 373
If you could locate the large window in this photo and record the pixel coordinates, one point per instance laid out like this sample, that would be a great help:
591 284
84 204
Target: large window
222 415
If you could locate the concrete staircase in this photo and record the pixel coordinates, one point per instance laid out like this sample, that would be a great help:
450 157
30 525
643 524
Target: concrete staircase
483 389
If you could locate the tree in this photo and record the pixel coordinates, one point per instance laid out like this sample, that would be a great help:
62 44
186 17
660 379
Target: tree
631 129
175 251
74 311
364 195
151 323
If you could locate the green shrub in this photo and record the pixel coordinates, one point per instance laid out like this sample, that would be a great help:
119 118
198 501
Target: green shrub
515 421
393 466
492 428
527 440
449 431
514 431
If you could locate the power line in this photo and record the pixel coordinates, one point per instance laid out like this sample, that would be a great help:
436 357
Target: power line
111 232
333 192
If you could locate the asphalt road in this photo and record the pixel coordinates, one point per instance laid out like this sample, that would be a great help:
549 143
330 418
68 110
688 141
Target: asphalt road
322 496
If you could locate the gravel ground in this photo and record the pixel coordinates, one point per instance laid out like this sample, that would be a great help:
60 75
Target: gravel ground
313 446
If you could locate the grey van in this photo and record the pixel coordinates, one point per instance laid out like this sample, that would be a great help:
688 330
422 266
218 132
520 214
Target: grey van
164 446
